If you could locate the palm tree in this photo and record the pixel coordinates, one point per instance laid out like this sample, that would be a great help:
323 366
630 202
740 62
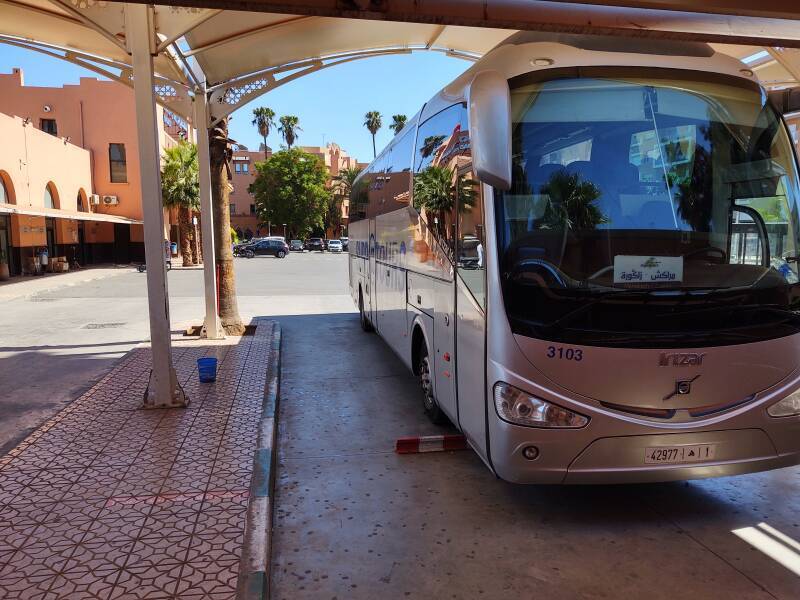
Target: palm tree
398 122
345 179
430 144
333 213
264 120
572 202
372 121
288 128
572 205
341 186
180 189
436 189
220 154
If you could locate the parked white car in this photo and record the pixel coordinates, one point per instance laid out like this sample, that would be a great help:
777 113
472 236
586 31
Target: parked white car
334 246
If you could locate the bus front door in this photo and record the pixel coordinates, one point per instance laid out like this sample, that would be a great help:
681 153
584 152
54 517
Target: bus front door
471 320
443 357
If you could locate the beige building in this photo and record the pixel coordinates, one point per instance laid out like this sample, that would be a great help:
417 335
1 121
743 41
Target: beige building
244 219
336 160
70 173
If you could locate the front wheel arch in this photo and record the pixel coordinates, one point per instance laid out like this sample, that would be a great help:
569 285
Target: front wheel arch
418 341
365 323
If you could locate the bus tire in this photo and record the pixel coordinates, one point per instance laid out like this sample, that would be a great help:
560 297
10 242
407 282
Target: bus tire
429 404
365 324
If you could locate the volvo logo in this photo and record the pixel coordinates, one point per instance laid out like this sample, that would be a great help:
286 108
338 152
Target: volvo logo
680 359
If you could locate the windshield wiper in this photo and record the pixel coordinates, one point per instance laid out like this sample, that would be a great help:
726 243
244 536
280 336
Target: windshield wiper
680 337
738 308
647 294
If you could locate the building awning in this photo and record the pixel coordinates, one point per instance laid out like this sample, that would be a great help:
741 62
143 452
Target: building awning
12 209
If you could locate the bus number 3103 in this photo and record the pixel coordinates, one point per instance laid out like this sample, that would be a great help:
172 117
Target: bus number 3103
564 353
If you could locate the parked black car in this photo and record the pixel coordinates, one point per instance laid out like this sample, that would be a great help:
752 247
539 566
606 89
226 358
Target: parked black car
345 243
240 249
266 247
315 244
296 246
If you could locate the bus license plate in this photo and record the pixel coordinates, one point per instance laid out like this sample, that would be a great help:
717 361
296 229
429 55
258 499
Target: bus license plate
670 455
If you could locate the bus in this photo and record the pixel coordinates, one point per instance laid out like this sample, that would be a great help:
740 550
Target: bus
586 249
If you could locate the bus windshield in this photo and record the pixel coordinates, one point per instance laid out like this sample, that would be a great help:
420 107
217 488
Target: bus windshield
649 211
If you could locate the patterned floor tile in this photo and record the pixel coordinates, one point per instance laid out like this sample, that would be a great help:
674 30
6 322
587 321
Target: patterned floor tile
209 578
107 500
147 581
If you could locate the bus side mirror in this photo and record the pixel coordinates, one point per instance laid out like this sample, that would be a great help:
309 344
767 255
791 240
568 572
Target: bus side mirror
786 101
489 104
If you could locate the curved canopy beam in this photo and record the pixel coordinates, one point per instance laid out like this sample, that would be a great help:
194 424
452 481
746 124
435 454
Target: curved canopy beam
172 95
226 98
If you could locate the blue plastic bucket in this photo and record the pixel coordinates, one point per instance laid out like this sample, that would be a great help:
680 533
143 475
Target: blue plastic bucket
207 369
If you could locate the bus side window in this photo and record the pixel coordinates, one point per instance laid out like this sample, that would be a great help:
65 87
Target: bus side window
441 150
471 249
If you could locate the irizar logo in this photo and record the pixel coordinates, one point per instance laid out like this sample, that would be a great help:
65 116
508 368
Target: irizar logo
680 359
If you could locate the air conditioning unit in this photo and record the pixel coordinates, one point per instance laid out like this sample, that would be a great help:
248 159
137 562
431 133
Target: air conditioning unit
110 200
94 199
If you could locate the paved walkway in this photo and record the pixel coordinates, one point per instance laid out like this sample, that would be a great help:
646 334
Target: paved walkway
110 501
28 285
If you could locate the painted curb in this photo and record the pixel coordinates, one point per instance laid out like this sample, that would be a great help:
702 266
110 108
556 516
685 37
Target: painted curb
253 581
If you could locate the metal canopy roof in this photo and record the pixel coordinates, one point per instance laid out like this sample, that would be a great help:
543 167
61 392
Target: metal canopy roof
239 55
233 43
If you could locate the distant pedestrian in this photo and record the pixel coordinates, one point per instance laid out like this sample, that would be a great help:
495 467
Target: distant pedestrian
44 259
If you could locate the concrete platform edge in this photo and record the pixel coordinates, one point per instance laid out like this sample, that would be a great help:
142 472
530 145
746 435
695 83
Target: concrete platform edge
253 582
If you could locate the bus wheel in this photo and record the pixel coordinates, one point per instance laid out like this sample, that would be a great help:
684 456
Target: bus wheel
365 324
429 404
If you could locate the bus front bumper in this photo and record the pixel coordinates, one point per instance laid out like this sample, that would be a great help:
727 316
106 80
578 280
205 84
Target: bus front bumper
621 459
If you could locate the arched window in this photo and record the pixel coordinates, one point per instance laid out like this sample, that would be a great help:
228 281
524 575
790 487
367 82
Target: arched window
50 196
6 189
82 202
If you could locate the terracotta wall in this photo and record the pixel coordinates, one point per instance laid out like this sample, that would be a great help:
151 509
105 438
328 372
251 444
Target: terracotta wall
99 232
66 231
240 197
27 231
30 159
137 233
93 114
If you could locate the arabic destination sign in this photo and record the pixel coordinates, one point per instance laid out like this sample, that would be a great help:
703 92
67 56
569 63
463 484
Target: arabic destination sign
648 269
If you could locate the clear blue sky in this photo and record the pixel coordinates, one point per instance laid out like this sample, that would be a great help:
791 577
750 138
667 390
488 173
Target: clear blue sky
330 103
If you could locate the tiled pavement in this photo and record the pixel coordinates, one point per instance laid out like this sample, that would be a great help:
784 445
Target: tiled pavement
107 500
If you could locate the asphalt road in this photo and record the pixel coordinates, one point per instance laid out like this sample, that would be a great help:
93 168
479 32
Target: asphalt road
55 344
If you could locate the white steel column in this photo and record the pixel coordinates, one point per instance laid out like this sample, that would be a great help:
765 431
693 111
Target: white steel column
212 327
163 389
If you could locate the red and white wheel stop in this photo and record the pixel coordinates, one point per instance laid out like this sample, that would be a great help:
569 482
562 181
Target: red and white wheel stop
430 443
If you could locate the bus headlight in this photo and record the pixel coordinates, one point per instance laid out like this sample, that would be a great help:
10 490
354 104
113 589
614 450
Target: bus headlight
517 407
788 407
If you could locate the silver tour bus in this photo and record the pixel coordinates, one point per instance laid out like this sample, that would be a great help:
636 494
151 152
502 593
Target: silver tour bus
587 250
